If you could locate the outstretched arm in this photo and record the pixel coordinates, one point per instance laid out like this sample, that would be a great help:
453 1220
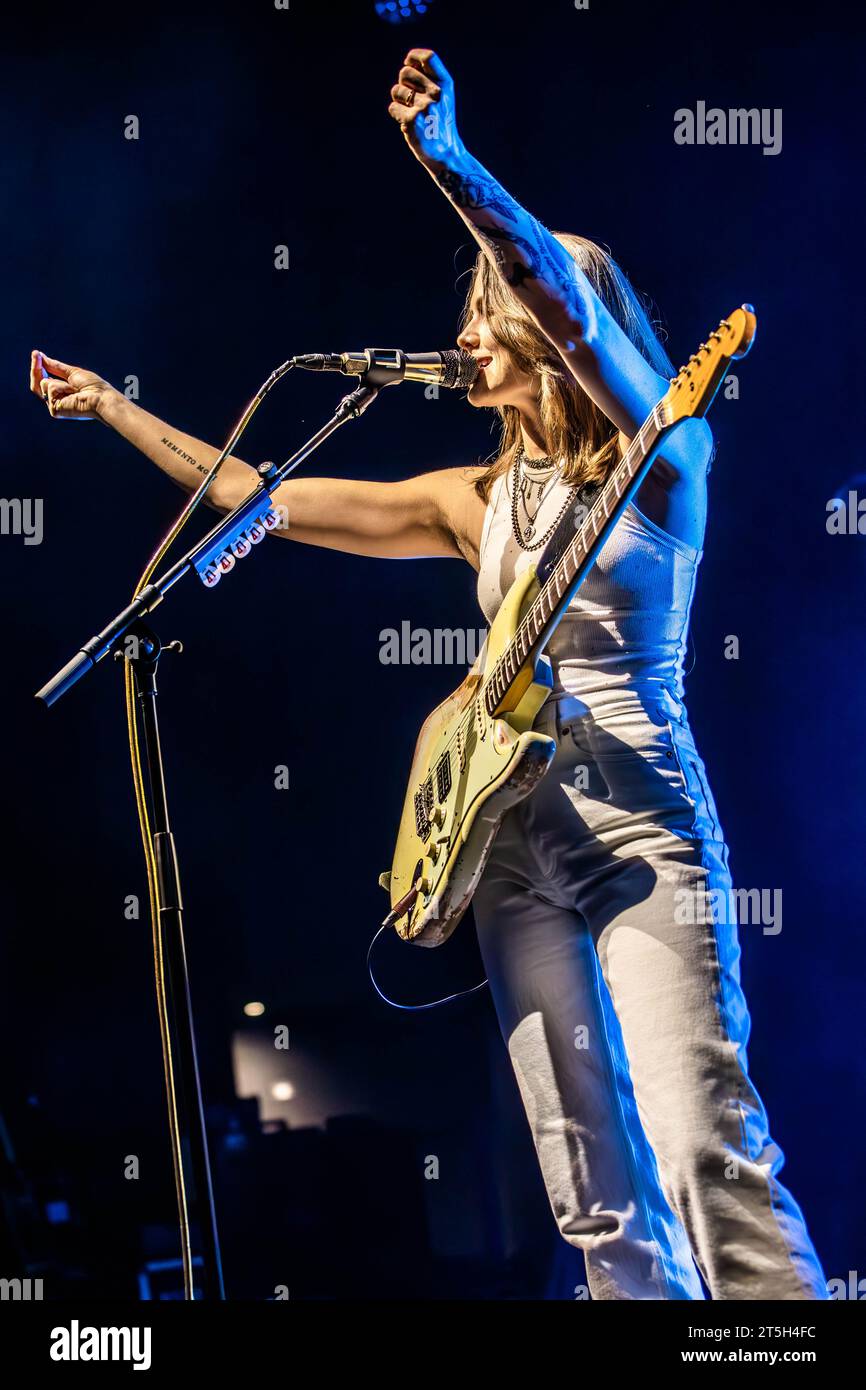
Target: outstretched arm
430 514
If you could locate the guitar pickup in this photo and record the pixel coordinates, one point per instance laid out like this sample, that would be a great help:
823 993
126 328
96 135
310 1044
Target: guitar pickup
443 776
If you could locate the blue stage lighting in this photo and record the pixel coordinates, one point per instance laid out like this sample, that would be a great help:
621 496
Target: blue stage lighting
396 11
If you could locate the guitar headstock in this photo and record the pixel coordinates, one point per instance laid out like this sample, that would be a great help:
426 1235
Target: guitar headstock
694 386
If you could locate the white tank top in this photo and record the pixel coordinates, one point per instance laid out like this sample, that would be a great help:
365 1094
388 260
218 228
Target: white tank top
626 627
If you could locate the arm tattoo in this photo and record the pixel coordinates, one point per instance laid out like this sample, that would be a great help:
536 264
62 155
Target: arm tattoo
469 191
522 248
187 458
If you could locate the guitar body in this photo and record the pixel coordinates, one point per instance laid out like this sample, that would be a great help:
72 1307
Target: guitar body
468 769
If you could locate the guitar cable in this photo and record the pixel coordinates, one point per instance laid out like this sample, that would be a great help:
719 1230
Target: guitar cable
416 1008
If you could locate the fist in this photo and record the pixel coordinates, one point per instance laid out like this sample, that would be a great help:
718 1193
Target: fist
422 104
71 393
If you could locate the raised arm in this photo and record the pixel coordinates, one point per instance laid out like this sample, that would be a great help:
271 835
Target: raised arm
538 269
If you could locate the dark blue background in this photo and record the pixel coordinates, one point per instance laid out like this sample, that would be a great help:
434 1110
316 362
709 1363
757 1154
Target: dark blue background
155 258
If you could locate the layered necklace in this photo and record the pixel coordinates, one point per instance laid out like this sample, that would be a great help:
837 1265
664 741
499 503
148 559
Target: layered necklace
532 480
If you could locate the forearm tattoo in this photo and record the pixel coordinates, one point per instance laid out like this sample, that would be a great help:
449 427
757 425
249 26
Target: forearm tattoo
187 458
523 249
478 191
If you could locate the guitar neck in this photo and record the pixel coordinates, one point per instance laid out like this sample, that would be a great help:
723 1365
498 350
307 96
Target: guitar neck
543 616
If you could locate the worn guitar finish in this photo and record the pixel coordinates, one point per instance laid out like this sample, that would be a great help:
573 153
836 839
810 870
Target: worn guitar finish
477 754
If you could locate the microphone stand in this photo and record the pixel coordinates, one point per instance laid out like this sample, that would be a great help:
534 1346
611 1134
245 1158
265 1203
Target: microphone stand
230 539
216 543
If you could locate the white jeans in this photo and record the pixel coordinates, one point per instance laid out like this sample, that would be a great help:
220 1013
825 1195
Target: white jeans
619 998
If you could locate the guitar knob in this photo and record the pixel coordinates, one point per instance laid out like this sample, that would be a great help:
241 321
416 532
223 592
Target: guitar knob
437 816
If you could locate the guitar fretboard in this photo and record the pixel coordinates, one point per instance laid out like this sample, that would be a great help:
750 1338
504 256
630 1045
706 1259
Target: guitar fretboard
541 618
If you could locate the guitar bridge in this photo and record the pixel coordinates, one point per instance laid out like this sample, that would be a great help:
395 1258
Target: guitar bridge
423 809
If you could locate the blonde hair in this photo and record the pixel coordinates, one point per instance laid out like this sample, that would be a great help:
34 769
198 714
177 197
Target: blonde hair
573 425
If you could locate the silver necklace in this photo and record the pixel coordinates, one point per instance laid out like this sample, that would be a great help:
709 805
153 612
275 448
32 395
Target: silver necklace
536 476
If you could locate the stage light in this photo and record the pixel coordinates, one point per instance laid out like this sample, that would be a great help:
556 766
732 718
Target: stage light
254 1009
396 11
262 1071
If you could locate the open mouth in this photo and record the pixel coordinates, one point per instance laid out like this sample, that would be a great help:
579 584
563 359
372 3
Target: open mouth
483 362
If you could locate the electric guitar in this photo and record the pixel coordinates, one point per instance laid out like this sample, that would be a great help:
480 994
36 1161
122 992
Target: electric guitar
477 753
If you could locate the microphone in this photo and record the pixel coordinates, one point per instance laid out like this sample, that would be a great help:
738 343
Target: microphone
452 368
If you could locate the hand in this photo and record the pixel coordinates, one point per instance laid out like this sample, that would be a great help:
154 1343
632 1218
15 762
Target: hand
71 393
422 104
